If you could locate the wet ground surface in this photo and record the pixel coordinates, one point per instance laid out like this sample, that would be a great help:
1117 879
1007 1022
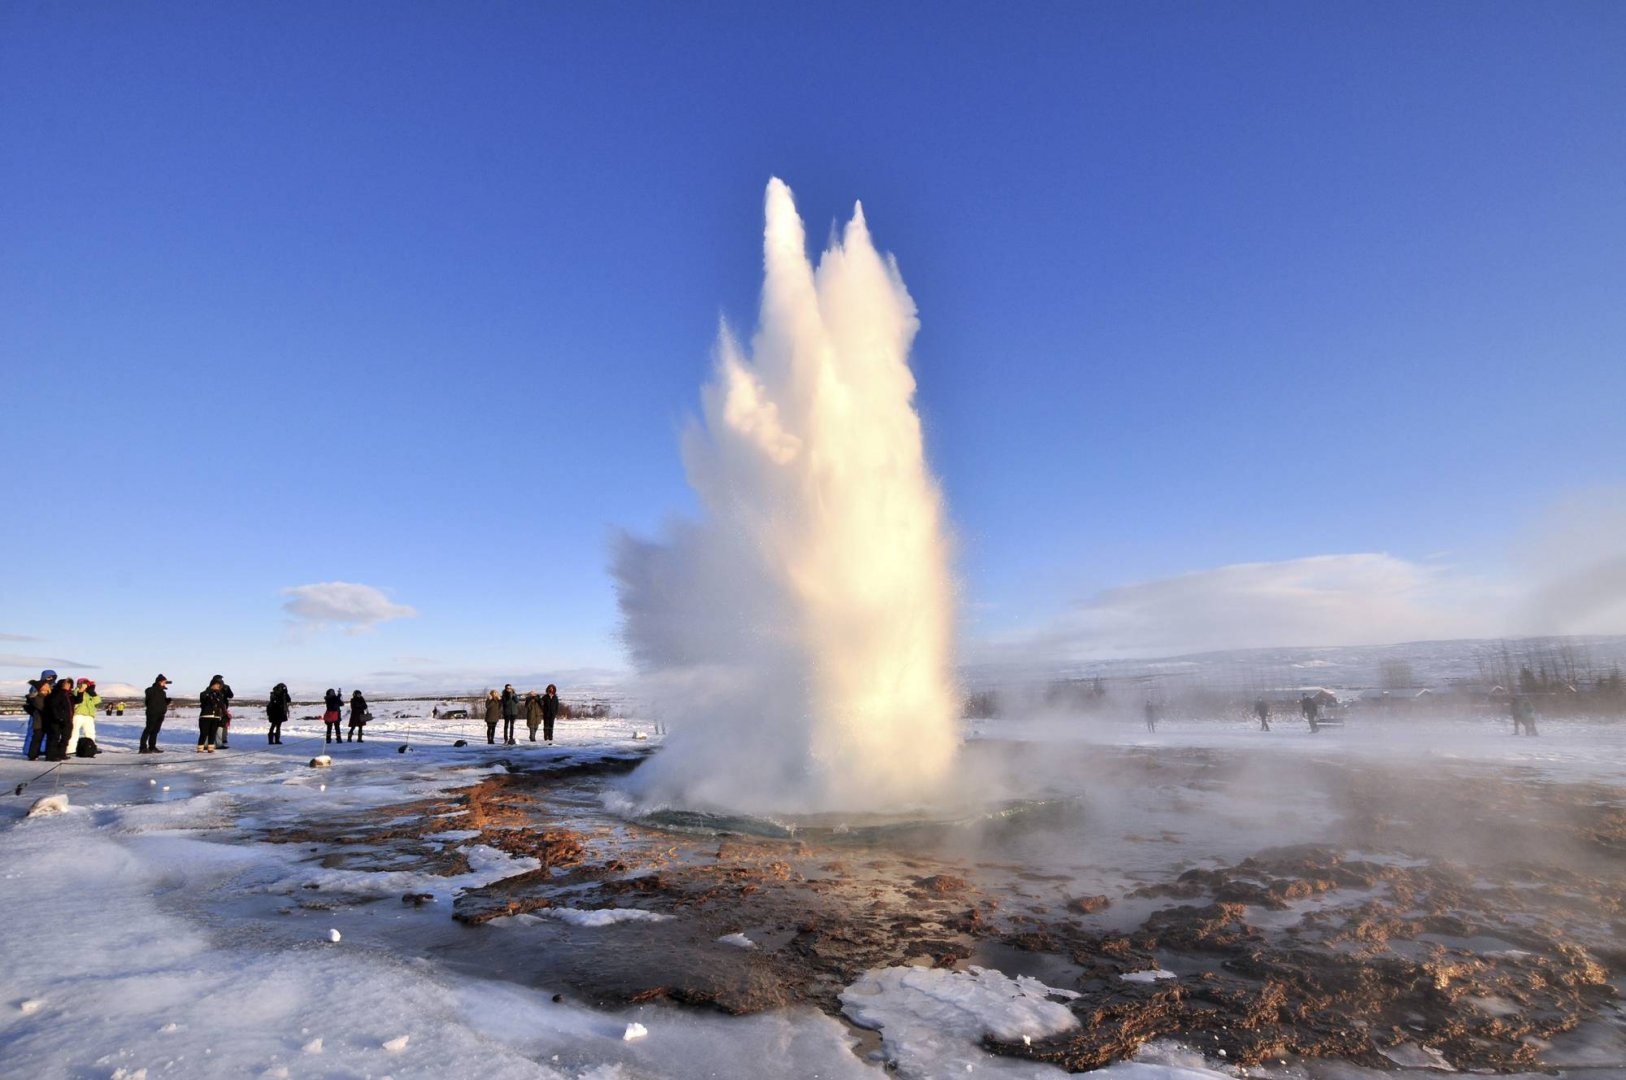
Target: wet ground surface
1468 915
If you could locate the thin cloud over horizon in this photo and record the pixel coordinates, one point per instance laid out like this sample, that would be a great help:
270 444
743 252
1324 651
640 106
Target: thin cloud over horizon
353 607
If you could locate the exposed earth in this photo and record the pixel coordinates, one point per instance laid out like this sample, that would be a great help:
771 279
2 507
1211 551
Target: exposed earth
1462 914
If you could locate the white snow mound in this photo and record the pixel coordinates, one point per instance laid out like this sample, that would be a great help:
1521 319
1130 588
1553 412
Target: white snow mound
1148 976
970 1003
603 916
738 941
51 804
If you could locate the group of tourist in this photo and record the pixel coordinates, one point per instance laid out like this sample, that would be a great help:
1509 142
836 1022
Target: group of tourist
332 715
540 711
61 717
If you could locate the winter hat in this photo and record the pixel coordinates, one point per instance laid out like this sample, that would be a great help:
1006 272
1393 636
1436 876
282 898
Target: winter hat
87 682
47 674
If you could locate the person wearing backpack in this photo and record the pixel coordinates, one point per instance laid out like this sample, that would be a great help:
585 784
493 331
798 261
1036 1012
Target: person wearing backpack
157 701
276 713
225 711
211 710
85 703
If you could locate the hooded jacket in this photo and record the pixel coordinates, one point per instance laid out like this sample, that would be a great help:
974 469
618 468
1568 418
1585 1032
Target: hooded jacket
157 701
212 702
276 706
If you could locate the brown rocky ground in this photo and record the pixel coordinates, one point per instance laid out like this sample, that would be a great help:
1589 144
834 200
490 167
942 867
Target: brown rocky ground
1476 916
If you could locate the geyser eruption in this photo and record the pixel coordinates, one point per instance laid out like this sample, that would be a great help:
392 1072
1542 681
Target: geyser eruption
798 638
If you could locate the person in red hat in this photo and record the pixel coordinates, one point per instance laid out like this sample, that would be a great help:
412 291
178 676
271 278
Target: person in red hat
85 703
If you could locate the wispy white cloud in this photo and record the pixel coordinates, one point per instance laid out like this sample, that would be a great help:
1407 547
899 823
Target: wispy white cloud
17 637
42 662
347 605
1355 599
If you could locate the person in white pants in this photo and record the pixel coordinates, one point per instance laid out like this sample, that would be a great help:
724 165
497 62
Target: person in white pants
85 703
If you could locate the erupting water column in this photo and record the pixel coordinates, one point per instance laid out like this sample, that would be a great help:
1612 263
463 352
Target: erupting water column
798 638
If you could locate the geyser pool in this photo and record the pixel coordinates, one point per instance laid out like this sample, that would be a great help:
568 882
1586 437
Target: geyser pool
797 639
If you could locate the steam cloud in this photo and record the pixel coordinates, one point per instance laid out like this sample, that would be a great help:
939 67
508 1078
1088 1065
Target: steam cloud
798 638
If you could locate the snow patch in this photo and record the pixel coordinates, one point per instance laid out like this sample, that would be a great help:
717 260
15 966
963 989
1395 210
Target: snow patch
51 804
603 916
930 1017
634 1031
1148 976
739 941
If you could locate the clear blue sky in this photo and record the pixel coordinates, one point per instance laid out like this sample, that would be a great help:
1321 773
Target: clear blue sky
418 296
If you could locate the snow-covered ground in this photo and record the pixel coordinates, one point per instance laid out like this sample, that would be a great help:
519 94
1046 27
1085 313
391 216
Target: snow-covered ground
146 934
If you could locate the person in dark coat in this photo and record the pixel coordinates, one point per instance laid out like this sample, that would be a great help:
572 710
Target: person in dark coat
533 712
211 710
1261 709
1524 715
493 714
59 719
157 708
510 713
1151 715
225 712
1312 712
358 716
39 694
276 713
333 702
550 711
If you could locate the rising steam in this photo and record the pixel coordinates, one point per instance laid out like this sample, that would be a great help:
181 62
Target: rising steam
797 638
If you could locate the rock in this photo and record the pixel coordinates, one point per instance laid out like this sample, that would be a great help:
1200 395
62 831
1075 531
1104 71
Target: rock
1089 905
334 936
321 761
418 899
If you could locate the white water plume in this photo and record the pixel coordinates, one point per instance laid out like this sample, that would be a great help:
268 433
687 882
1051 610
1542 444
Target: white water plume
798 638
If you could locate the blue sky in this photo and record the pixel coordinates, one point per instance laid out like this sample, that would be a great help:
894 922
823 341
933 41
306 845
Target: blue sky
418 297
